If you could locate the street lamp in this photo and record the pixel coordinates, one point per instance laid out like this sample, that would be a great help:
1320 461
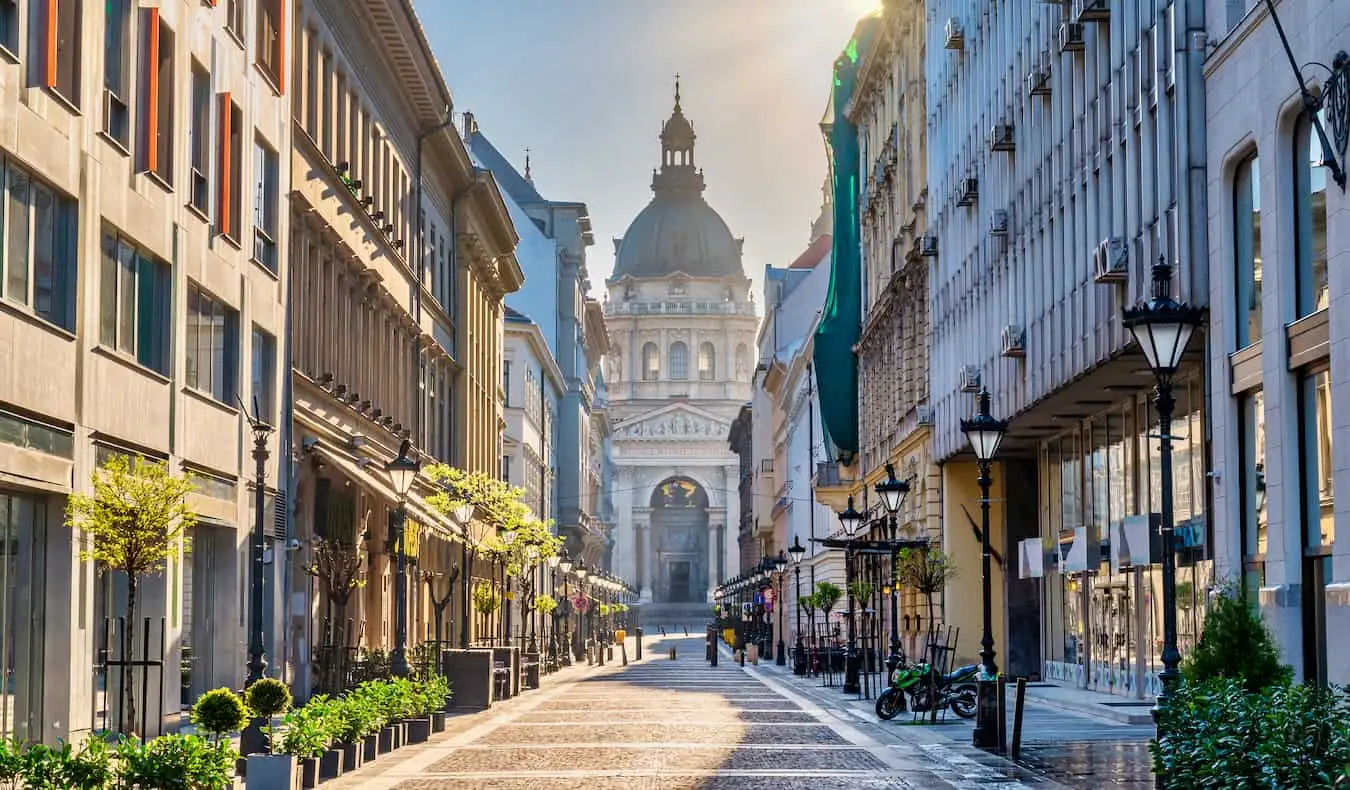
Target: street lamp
257 662
553 562
851 521
402 472
892 493
984 433
582 634
780 564
796 551
1162 327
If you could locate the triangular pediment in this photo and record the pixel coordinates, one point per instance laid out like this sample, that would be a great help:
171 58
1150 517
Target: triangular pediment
675 422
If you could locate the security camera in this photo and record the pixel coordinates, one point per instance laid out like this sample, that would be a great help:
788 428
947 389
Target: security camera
294 545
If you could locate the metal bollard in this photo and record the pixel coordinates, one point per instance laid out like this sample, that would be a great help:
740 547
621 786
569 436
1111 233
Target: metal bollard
686 630
623 653
1017 717
672 654
638 631
1002 715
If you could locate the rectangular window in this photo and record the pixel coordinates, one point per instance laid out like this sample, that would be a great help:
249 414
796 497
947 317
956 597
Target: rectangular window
1247 246
265 206
264 375
134 303
1310 219
234 18
212 346
157 80
228 212
62 33
271 30
199 141
506 383
506 468
39 249
9 25
1315 434
1253 470
116 54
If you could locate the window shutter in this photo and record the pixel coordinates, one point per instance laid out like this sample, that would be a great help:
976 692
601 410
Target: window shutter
152 90
51 35
281 48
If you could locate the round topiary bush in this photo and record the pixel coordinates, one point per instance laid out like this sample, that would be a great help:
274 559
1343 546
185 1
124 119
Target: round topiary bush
268 697
218 712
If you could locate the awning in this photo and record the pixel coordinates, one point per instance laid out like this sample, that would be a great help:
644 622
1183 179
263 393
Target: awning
418 510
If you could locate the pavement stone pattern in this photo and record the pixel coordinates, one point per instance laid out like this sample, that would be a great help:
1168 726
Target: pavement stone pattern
684 725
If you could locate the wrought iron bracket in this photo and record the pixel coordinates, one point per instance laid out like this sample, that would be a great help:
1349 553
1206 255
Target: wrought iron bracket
1334 98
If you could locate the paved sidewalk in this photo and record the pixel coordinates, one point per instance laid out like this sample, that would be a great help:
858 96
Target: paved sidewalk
680 725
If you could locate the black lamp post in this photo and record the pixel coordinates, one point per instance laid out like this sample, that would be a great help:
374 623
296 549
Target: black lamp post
779 566
984 433
565 565
796 551
1162 327
257 662
402 472
892 493
851 520
582 632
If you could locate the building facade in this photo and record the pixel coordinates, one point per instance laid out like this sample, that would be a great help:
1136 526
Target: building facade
681 331
1064 159
402 251
1278 331
143 301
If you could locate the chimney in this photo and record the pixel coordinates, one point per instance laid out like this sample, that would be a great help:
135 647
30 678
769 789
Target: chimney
470 125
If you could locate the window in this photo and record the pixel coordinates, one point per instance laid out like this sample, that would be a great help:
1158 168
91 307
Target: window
157 80
134 303
9 25
679 361
265 208
1247 246
39 254
1253 470
707 362
506 468
1315 430
62 52
234 18
231 151
212 346
264 384
1310 220
506 382
651 362
742 362
271 30
116 52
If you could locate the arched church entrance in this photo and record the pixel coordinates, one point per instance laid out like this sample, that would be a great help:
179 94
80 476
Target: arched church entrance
679 529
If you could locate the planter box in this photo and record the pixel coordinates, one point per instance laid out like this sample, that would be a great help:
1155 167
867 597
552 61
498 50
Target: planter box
470 675
385 738
370 748
510 658
419 730
438 721
400 734
351 756
272 772
309 772
330 765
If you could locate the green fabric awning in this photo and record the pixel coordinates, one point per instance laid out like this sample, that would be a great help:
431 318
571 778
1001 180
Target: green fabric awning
841 319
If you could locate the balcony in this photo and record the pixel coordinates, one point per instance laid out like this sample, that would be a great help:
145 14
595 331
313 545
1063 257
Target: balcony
834 484
678 308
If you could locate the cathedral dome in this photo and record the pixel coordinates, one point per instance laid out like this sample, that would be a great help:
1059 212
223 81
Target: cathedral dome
678 231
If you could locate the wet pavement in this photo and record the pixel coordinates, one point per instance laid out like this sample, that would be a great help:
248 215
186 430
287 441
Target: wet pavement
683 725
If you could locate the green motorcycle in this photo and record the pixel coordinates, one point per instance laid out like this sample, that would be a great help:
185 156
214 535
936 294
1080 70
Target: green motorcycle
956 689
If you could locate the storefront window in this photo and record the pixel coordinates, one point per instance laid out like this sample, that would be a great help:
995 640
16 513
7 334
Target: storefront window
22 612
1253 469
1318 498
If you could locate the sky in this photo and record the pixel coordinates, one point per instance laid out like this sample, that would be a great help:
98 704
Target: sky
586 85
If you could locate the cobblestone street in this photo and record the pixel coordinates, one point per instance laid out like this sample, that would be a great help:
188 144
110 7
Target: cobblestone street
681 725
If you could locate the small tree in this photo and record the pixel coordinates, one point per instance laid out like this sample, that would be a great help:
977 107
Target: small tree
1236 645
827 595
136 515
337 566
928 572
218 712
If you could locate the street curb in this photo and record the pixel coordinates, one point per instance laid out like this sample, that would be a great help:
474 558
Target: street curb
1096 709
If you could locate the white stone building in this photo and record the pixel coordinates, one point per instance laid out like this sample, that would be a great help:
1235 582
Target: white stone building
682 328
1279 334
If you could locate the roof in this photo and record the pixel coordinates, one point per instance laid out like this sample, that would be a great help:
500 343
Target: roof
814 253
512 314
510 179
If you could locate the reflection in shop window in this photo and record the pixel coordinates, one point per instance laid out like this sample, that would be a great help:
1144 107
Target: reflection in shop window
1253 470
1310 218
1319 499
1247 249
23 534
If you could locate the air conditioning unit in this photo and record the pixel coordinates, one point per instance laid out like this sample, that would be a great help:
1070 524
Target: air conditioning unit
1070 37
1038 83
1001 137
956 39
970 378
923 415
1111 261
998 223
928 246
1014 341
968 192
1091 10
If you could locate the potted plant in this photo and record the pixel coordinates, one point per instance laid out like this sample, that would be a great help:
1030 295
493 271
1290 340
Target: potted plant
370 740
436 693
42 767
306 733
266 699
175 762
382 697
218 712
356 719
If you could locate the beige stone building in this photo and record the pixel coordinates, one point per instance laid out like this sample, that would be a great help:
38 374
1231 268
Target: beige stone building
143 151
401 253
682 330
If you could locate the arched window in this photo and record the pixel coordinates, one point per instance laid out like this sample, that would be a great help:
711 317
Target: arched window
707 362
679 361
742 362
651 362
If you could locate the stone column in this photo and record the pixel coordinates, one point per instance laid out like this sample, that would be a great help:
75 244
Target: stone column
649 577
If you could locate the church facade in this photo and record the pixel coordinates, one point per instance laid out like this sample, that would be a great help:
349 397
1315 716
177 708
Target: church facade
682 331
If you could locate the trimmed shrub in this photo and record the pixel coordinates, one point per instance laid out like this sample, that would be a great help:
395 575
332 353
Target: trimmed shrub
1235 644
268 697
218 712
